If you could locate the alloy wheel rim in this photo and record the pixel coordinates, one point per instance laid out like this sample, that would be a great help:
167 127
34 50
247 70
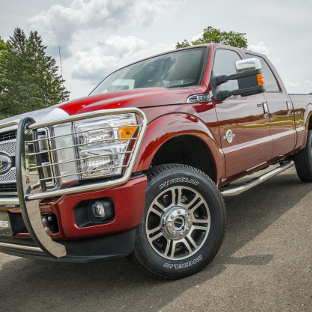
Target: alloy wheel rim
177 223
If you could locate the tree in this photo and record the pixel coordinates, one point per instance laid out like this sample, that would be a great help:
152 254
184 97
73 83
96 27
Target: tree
28 78
2 46
213 35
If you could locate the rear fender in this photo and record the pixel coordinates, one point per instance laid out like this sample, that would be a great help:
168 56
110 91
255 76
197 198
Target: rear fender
302 137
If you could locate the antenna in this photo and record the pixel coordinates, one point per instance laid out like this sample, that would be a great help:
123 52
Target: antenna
61 63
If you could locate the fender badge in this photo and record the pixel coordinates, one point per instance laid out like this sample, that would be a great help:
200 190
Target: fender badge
229 135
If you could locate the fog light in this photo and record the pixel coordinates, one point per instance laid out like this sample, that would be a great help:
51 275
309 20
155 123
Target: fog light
103 210
98 210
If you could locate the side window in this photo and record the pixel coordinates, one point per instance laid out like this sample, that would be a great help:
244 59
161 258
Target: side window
224 64
271 83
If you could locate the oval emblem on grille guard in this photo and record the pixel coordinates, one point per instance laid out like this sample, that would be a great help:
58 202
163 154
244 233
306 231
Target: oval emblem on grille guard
5 164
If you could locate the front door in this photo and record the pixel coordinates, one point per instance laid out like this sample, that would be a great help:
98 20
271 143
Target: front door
243 122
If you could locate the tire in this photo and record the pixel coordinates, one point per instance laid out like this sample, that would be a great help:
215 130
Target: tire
183 223
303 161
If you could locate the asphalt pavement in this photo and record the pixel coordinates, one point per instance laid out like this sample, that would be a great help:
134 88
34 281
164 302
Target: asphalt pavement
264 264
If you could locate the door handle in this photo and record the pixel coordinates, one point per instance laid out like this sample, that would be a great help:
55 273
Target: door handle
265 107
288 106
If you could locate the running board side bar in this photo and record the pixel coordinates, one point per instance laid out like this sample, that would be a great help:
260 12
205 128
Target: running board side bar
254 182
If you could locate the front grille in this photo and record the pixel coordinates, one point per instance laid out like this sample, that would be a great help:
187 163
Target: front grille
6 136
8 147
9 187
8 179
8 176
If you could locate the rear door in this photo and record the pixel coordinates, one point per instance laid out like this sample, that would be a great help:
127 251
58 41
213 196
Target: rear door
243 122
281 111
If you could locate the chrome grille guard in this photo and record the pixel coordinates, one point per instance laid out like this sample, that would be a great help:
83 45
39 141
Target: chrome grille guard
31 186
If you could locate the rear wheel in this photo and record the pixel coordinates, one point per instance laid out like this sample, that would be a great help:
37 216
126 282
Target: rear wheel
303 161
183 223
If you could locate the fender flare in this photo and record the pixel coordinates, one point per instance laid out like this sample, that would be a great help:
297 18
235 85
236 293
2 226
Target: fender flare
306 121
169 126
307 115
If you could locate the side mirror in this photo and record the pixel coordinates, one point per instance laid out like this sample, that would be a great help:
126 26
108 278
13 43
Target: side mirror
249 77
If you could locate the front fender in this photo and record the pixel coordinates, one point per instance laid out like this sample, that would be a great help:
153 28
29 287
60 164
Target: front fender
166 127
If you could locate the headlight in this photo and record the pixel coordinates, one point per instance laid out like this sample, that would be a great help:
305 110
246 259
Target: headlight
103 143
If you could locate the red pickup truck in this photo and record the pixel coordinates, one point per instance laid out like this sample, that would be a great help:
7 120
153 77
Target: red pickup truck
139 168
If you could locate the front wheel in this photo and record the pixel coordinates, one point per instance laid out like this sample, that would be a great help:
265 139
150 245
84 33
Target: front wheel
183 223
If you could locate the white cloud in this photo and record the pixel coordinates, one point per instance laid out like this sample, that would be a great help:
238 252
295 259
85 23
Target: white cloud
194 38
292 84
61 25
96 63
119 46
308 83
260 48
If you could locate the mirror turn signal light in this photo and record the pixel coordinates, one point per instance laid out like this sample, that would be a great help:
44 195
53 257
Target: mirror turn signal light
260 79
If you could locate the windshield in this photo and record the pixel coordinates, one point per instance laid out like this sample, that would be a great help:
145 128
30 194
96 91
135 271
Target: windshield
173 70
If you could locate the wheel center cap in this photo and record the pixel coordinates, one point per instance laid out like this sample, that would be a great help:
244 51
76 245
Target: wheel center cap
176 222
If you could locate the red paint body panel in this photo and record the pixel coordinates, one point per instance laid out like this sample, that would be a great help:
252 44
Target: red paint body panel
129 206
128 98
171 125
252 141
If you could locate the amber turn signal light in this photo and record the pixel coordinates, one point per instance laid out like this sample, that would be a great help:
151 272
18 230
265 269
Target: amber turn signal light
126 132
260 79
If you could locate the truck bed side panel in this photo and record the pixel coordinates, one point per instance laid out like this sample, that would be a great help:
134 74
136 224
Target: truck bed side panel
302 109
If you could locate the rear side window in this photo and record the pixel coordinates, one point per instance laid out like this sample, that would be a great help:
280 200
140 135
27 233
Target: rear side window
271 83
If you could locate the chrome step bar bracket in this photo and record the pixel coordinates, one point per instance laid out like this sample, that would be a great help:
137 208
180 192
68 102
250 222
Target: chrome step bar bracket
256 181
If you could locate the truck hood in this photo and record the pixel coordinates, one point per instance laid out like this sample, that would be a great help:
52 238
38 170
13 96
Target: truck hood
45 114
127 98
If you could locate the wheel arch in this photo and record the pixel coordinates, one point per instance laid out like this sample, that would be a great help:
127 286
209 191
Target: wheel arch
180 138
307 125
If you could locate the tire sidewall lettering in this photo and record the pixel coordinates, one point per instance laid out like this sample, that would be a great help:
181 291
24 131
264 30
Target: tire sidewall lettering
177 180
183 265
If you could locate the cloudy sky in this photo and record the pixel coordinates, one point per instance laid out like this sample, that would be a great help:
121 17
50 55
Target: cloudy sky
98 36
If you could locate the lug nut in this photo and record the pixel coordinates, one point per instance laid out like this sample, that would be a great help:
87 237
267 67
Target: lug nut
44 220
46 229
